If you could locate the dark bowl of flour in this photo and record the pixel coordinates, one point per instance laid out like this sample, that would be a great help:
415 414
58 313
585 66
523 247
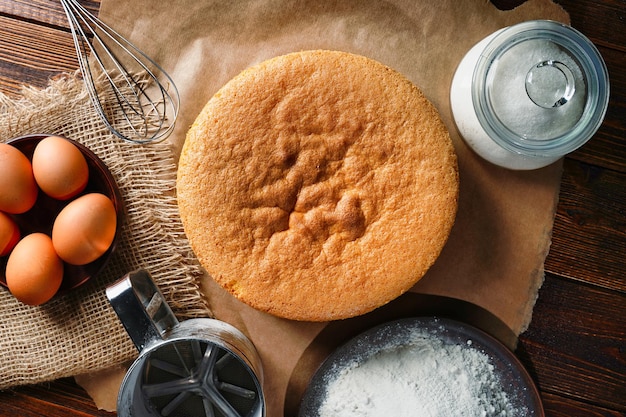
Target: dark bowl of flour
422 366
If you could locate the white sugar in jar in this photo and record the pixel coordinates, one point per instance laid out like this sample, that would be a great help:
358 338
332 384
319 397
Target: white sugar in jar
529 94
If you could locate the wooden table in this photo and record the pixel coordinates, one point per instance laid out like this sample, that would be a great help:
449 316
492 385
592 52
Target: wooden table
575 348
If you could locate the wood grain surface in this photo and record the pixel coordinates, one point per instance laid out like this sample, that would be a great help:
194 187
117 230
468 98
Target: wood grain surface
575 348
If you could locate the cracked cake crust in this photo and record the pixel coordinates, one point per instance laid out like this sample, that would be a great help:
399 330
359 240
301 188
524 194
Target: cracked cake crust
317 185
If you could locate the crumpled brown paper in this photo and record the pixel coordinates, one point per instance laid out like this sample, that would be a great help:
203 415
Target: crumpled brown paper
494 258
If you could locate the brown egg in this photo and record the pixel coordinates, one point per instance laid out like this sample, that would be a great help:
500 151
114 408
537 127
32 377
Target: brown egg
18 190
84 229
9 234
34 272
59 167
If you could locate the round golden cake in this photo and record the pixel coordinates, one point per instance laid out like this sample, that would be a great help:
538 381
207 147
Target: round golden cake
317 185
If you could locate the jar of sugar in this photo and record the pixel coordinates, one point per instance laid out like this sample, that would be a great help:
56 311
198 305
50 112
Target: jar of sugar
529 94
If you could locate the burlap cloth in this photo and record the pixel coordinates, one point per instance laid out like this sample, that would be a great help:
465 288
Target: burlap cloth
494 258
79 332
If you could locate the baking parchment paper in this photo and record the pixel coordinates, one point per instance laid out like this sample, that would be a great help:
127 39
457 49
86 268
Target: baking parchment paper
495 254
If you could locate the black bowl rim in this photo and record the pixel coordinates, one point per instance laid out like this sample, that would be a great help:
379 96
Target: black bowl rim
363 345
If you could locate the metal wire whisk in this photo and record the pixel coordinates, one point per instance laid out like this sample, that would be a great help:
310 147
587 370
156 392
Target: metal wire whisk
116 71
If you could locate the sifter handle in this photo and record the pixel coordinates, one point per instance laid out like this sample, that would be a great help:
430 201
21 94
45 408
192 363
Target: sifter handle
141 308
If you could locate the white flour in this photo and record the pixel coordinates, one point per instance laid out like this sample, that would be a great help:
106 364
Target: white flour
425 378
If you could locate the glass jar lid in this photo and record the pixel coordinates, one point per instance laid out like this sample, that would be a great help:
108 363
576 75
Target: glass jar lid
540 88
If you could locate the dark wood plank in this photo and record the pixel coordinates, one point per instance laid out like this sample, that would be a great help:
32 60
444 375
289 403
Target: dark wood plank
608 147
559 406
575 346
589 235
61 398
24 62
602 21
45 12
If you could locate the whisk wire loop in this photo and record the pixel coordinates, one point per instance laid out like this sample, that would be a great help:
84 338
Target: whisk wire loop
116 70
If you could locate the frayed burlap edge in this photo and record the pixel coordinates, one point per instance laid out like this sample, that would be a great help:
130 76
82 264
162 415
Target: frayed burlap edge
79 332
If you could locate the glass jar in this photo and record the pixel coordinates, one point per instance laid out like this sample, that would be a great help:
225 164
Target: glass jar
529 94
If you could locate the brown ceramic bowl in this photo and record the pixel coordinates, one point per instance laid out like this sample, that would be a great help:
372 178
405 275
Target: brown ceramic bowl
41 217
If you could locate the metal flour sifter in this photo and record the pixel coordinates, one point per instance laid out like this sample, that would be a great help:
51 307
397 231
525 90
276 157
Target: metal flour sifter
194 368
